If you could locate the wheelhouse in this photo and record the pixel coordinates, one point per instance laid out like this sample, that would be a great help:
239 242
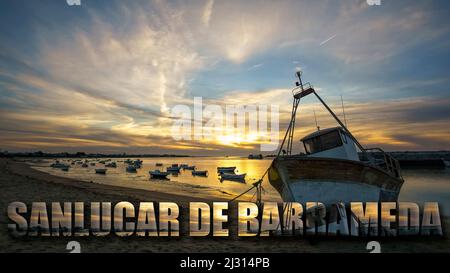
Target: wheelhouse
332 143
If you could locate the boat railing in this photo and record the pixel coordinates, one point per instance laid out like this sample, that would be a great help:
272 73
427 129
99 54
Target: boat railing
388 162
304 90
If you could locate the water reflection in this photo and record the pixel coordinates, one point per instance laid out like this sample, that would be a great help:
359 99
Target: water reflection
421 185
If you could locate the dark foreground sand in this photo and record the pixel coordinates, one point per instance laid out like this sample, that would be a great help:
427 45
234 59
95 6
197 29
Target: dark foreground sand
19 182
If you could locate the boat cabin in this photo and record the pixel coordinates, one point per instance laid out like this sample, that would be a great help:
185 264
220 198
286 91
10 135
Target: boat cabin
330 143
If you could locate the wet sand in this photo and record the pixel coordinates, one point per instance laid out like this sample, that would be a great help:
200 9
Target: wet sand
19 182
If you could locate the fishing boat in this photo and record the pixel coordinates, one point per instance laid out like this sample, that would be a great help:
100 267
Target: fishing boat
158 174
158 164
173 169
200 173
226 169
58 165
233 177
131 169
100 171
332 170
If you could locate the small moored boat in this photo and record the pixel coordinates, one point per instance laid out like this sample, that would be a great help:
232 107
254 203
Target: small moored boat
100 171
200 173
131 169
233 177
173 169
111 165
158 174
226 169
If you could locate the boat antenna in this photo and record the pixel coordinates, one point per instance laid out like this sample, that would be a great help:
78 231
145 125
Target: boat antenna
315 119
343 111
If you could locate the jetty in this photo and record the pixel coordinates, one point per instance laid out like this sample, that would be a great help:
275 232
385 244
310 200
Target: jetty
418 158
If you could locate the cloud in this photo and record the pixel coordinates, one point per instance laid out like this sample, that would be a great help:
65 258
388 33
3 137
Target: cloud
107 80
207 12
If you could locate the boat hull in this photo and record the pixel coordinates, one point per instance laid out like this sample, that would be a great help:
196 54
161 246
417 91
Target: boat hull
158 176
329 181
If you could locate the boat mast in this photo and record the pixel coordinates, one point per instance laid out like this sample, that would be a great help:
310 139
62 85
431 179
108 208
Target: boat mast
343 111
305 90
340 122
295 104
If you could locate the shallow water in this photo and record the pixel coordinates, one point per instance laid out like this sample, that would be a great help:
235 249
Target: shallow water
420 185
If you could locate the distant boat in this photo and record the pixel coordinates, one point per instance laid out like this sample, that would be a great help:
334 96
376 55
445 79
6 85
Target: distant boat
158 164
260 156
158 174
92 164
111 165
128 161
183 166
100 171
131 169
66 168
84 165
173 169
226 169
58 165
189 168
174 165
233 176
200 173
137 163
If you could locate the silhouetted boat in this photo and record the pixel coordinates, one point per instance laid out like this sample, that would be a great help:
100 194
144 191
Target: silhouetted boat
100 171
111 165
200 173
173 169
226 169
233 177
131 169
158 174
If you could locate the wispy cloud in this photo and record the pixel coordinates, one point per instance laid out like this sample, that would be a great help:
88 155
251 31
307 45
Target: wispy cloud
105 78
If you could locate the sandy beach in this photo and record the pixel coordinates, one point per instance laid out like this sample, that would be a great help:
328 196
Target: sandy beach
20 182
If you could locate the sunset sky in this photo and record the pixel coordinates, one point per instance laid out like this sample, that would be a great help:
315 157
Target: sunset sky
103 76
